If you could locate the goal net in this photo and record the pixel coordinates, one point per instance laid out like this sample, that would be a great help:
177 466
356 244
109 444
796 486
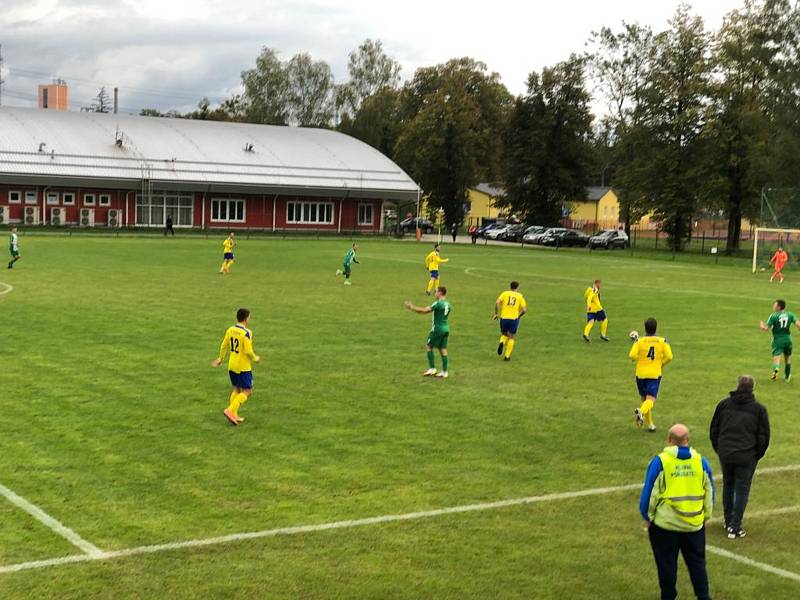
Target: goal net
768 240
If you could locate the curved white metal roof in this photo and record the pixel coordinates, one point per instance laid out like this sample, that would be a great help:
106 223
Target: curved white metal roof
56 146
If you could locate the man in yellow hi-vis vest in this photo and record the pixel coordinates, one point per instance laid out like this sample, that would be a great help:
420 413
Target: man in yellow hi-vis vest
676 501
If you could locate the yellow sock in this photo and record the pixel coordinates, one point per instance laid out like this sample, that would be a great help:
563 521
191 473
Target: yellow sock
222 268
648 417
230 400
431 284
509 347
647 406
230 264
237 401
604 328
588 329
503 339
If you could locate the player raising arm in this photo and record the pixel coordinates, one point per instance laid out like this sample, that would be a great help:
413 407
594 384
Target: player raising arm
651 354
440 331
778 261
227 254
594 311
238 344
432 262
780 322
509 307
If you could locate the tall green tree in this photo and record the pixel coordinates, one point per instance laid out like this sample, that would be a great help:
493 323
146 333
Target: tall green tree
549 143
371 70
377 121
452 117
669 169
266 93
310 91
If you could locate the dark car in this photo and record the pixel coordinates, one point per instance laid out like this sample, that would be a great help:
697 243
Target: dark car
513 233
490 227
612 238
566 237
550 232
532 234
410 225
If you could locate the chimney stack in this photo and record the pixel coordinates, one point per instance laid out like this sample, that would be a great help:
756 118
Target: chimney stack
116 99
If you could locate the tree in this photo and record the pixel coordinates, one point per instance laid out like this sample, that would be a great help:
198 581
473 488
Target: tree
669 170
310 91
452 117
266 93
371 71
620 63
376 122
548 143
102 103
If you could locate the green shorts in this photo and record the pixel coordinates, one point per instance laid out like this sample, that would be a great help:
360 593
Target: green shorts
782 346
437 339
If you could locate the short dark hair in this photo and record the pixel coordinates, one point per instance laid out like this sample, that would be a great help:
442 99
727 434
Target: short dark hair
443 290
745 383
781 303
435 246
242 314
514 285
650 326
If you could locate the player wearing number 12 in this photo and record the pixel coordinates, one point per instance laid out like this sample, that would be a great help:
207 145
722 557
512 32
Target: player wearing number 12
509 307
780 322
440 330
651 354
238 344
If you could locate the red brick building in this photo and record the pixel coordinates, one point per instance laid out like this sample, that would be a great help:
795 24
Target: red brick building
105 170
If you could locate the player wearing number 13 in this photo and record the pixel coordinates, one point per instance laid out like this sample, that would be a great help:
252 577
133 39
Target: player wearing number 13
238 344
650 353
780 322
509 307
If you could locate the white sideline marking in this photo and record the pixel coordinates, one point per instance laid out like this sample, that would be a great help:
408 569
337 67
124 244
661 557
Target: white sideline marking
235 537
7 288
754 563
37 513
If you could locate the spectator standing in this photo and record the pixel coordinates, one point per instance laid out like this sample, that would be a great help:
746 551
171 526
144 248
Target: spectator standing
677 499
454 231
740 435
473 233
168 228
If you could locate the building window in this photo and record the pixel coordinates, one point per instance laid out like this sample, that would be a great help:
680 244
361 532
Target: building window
15 197
365 214
31 197
224 210
68 198
52 198
152 210
309 213
88 199
105 199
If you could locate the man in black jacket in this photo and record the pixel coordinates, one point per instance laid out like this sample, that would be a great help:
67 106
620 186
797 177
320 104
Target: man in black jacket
740 436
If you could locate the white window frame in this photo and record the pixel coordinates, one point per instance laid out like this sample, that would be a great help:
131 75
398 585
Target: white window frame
371 208
313 212
65 201
217 202
52 198
87 201
31 197
18 194
104 200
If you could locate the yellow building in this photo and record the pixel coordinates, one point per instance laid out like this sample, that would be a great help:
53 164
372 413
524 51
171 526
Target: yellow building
482 199
600 208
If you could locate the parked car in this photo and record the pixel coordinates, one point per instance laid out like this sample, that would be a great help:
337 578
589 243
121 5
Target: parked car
532 234
482 231
548 233
495 233
410 225
513 233
566 237
612 238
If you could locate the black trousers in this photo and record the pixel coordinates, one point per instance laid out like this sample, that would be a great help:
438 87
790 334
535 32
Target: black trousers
736 480
692 545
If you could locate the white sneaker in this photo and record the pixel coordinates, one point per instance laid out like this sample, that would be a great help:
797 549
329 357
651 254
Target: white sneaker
651 428
338 271
347 282
429 372
443 374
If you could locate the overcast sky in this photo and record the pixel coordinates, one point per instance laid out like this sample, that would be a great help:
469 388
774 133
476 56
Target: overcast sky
169 54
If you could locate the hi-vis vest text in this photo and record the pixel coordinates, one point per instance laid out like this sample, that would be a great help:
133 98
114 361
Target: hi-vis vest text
683 487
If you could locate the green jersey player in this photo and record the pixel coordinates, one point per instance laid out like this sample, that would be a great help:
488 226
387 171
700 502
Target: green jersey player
13 247
349 259
780 322
440 330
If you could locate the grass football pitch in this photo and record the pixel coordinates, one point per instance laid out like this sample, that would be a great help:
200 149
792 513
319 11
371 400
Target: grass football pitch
111 424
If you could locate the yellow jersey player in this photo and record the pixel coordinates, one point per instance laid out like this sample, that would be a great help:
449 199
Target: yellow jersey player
238 344
594 312
509 307
227 254
432 262
651 354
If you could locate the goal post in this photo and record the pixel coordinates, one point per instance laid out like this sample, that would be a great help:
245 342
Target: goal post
768 239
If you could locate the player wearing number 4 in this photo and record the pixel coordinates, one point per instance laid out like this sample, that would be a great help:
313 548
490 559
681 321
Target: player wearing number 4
238 342
781 321
594 312
650 353
509 308
440 331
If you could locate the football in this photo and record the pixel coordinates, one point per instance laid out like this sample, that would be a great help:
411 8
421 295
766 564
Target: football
634 335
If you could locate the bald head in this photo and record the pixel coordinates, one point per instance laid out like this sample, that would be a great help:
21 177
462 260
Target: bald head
678 435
